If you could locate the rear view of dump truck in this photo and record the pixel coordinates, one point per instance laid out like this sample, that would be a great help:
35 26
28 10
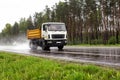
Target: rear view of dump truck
51 34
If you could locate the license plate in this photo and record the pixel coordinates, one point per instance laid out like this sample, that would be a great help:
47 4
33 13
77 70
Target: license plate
58 42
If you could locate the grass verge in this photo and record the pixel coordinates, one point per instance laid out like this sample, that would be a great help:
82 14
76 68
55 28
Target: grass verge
19 67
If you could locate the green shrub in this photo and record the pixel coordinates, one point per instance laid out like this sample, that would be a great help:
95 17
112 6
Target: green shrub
112 40
96 41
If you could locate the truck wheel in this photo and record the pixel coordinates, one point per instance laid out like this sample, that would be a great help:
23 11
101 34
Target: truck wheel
32 45
44 46
60 47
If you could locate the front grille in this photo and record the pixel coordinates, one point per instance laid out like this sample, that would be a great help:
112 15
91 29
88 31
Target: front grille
57 36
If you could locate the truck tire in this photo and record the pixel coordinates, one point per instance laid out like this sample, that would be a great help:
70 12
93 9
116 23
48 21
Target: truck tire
60 47
44 46
32 45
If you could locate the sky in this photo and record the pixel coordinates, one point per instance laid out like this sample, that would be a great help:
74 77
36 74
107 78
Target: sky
14 10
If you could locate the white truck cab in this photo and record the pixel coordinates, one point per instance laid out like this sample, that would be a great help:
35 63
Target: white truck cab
54 34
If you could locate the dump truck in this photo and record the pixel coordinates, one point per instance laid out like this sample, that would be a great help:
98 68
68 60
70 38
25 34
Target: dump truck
50 34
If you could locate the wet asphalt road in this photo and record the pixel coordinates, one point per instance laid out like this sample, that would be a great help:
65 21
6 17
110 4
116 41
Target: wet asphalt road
109 56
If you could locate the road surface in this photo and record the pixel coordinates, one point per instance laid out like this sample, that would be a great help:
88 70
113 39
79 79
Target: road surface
109 56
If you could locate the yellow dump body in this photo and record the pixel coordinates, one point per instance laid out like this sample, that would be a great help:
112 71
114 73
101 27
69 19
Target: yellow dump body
34 34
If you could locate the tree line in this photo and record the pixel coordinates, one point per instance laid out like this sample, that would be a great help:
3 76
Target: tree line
87 21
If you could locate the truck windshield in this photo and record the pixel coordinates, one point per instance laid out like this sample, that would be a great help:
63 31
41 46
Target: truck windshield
56 27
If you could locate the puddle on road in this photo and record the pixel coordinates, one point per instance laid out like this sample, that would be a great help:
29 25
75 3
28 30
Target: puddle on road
98 54
109 57
93 54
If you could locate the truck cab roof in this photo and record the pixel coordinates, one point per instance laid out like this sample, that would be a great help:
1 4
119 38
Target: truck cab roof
53 23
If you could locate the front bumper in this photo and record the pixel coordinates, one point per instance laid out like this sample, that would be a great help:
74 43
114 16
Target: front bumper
54 43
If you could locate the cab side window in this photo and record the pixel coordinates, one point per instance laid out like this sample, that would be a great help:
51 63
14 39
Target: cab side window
44 28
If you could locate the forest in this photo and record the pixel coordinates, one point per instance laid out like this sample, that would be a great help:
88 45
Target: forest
87 21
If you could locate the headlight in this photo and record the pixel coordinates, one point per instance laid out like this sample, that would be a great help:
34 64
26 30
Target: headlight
65 41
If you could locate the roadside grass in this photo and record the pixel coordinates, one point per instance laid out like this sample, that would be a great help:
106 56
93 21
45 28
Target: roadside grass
19 67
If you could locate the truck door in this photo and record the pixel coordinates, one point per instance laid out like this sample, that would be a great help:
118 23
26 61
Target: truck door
44 31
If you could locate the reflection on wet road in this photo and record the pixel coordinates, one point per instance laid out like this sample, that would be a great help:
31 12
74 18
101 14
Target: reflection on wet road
97 55
101 54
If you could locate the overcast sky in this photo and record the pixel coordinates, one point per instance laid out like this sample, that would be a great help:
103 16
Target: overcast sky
13 10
